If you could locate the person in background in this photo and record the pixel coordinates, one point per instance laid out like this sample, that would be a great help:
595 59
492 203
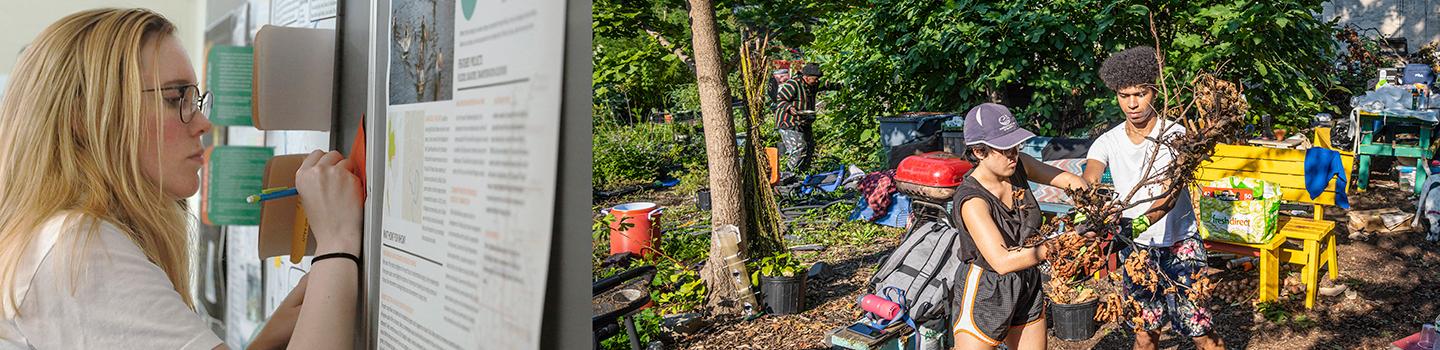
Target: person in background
998 297
1166 227
795 115
100 132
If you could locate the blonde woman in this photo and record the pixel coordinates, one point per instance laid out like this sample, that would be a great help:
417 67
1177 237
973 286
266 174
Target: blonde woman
99 143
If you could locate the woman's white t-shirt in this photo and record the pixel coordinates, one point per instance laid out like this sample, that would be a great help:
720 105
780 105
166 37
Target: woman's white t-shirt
117 298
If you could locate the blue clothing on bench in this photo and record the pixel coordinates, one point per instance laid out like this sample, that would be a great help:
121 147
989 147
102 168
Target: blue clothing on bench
1321 164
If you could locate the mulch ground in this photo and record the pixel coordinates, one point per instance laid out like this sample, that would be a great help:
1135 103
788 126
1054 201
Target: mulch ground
1392 280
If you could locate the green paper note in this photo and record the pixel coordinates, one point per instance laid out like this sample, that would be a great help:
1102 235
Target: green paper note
236 172
228 76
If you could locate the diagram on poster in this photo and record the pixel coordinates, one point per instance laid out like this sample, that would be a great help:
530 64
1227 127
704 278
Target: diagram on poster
472 137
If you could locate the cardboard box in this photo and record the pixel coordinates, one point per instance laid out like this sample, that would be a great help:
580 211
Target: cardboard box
1388 220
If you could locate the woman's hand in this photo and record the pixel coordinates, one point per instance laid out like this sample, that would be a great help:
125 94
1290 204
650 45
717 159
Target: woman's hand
330 193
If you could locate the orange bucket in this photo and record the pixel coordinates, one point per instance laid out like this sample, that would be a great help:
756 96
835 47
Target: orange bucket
640 236
772 156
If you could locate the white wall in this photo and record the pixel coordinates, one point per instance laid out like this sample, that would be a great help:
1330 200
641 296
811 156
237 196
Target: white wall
1416 20
215 9
22 20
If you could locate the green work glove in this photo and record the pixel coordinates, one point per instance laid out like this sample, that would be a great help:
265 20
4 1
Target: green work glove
1081 227
1139 225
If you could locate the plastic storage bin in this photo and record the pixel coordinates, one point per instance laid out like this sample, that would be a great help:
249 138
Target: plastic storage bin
895 131
954 142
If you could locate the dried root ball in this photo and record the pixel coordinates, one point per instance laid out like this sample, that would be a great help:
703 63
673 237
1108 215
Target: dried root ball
1073 257
1201 289
1218 98
1111 308
1141 271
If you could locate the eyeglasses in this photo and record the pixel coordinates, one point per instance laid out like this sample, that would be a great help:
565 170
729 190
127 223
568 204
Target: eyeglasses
1010 153
191 100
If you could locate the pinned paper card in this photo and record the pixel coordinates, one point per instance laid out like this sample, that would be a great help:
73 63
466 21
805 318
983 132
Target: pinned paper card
228 76
232 173
278 216
294 78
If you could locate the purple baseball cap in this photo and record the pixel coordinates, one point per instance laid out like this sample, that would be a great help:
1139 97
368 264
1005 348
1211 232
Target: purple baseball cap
992 125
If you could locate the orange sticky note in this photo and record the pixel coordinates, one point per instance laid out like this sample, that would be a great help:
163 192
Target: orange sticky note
357 156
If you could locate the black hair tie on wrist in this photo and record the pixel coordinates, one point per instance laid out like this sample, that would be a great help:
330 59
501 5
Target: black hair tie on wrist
352 257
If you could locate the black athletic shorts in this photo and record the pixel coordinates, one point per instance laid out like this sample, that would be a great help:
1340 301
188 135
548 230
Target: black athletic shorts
988 304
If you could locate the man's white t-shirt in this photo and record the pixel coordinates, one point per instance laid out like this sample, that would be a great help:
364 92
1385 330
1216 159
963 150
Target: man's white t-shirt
117 298
1127 162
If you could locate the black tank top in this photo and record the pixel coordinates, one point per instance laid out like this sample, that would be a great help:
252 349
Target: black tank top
1015 224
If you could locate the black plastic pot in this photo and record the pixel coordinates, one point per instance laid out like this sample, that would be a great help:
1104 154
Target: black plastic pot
784 295
702 198
1074 322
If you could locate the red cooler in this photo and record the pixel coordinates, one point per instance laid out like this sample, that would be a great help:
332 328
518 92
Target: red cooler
639 237
930 180
931 176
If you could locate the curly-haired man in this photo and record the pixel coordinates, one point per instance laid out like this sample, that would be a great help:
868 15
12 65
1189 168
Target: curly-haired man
1165 228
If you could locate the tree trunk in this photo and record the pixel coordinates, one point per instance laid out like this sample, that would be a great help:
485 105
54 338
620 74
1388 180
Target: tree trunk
725 194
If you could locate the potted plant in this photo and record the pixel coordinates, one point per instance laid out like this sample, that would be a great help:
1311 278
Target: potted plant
1072 309
782 283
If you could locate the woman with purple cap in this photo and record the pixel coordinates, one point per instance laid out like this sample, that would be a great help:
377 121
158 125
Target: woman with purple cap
998 295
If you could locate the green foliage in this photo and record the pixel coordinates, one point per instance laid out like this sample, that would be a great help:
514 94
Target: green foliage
685 248
844 138
678 289
642 152
790 22
856 232
1043 58
634 71
1360 60
832 226
685 97
1281 51
1276 313
600 242
695 176
1273 311
632 77
647 327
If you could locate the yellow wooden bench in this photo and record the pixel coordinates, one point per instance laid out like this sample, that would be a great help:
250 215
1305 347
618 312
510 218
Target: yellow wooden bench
1315 236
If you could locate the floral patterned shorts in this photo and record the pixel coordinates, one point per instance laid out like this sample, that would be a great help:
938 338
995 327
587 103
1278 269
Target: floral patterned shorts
1179 262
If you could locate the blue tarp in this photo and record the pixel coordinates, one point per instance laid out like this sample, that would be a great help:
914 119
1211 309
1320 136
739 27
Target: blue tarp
897 216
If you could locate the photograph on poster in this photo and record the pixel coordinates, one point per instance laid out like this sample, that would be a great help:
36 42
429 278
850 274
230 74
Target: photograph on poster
422 47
